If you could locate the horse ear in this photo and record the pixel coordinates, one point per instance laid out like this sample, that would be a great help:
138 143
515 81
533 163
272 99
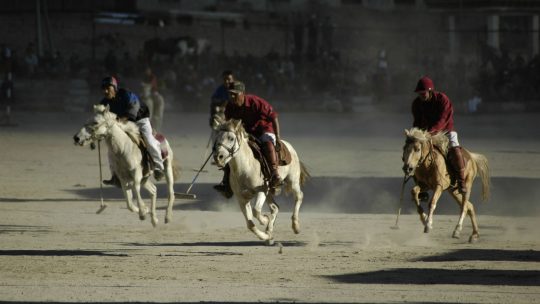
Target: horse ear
406 132
237 124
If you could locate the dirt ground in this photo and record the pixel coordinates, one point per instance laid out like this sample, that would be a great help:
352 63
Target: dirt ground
55 248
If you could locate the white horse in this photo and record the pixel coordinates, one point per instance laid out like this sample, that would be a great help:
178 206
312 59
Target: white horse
248 183
155 103
126 159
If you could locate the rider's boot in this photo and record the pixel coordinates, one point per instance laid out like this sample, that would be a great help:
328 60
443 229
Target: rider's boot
224 187
271 156
114 181
458 164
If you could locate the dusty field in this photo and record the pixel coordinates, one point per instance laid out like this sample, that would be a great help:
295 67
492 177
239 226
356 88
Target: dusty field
55 248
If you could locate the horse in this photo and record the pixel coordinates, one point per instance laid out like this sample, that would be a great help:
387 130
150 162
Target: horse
247 181
155 103
424 159
127 161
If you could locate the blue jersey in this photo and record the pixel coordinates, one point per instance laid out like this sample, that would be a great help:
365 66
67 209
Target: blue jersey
127 104
220 96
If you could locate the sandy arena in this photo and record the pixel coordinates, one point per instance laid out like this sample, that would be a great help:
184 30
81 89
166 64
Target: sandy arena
54 247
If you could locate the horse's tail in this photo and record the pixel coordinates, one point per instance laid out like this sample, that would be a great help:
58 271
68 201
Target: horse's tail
483 170
304 174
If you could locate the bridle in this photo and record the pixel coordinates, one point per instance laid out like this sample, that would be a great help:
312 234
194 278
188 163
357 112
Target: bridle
231 150
422 157
91 129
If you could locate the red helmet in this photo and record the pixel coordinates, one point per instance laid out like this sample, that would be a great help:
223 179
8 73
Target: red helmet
109 81
424 84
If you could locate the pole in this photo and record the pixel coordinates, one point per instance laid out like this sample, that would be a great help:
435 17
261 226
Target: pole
405 179
102 205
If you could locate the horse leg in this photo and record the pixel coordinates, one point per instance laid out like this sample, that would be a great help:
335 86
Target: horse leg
414 193
152 189
460 200
142 207
274 209
472 214
432 205
170 184
129 198
257 209
466 208
245 206
298 198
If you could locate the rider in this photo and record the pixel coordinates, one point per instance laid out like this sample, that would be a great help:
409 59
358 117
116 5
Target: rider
151 79
220 98
156 108
127 106
433 112
260 120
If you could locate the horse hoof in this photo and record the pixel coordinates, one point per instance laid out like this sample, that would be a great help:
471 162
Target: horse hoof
142 217
154 222
427 229
456 235
473 239
296 228
167 220
269 242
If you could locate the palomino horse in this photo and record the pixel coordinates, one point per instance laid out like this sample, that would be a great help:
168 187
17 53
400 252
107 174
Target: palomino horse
126 159
423 158
248 183
155 103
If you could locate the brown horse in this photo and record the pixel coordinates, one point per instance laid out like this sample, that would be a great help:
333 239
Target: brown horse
424 159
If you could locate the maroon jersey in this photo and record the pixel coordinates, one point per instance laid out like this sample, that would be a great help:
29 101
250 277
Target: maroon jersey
256 114
434 115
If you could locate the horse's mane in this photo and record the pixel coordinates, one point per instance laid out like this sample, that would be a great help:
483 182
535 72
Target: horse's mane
129 127
132 131
235 126
439 139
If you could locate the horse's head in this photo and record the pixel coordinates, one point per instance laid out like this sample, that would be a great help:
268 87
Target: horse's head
97 127
227 141
414 149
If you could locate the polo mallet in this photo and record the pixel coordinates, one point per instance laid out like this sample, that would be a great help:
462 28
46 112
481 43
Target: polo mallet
208 144
405 179
102 205
186 194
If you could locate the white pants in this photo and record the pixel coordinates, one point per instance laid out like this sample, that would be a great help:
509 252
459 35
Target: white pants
453 137
152 144
268 137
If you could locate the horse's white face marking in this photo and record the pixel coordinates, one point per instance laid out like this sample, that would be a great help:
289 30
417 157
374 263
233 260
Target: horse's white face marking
412 154
226 144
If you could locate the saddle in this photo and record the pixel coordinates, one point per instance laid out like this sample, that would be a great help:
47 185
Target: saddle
148 164
284 156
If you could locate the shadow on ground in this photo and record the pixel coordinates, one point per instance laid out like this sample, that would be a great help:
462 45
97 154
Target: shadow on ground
432 276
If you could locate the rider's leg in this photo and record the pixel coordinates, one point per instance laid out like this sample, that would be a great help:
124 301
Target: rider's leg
269 150
114 181
455 156
224 187
152 145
